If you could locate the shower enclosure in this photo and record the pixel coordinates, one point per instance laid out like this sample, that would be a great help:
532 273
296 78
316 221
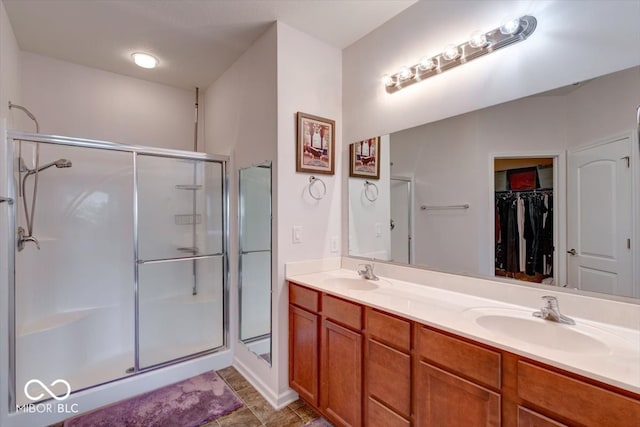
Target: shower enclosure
123 261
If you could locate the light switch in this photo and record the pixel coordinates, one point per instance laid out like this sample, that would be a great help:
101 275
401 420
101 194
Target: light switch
297 234
333 245
378 229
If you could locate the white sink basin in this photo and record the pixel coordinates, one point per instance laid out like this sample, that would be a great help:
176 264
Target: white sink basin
351 283
522 326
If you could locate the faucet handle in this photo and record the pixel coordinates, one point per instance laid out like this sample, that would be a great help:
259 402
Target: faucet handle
550 301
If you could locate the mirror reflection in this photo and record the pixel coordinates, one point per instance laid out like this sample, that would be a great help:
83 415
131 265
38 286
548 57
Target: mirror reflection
541 189
254 276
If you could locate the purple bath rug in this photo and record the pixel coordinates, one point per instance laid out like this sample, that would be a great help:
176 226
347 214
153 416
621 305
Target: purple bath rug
189 403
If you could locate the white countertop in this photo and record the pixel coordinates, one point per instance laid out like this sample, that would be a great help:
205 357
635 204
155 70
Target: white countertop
602 351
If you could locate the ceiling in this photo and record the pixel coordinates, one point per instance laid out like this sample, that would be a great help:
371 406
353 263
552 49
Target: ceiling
195 40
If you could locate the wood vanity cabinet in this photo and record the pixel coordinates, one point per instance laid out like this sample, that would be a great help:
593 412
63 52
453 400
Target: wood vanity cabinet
304 341
564 398
362 366
456 383
387 370
341 361
325 354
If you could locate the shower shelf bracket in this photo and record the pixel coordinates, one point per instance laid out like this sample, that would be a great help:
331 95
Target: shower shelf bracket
189 187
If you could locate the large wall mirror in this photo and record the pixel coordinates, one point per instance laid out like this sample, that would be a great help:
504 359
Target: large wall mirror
542 189
254 275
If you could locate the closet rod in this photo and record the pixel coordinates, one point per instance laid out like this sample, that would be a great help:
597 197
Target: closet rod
536 191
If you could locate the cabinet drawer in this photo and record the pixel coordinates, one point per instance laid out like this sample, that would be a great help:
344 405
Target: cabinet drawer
469 360
528 418
381 416
341 311
389 377
575 400
389 330
304 297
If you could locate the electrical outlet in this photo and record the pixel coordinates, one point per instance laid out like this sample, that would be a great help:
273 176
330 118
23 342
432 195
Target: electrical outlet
297 234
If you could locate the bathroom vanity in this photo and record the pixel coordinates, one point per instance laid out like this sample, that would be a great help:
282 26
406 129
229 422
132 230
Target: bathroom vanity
391 353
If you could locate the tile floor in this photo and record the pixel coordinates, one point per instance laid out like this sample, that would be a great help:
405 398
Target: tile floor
256 411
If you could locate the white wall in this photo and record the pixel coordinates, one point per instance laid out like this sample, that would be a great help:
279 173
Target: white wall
309 80
458 241
241 121
79 101
604 107
574 41
9 69
367 217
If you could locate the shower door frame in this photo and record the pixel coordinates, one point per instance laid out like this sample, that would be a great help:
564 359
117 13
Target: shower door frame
16 136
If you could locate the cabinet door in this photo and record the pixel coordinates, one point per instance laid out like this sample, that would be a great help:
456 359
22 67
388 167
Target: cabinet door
446 400
341 367
303 353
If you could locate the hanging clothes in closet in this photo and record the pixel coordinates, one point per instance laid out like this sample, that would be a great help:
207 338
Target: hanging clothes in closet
524 234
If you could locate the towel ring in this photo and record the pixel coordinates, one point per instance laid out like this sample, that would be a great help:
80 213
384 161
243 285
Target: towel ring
367 185
312 181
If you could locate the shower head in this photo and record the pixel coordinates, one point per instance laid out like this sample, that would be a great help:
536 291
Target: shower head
63 163
60 163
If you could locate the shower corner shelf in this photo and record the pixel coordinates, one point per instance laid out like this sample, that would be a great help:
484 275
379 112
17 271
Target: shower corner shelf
189 187
193 250
188 219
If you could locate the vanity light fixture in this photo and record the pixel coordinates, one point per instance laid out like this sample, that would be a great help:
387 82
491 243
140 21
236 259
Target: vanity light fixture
145 60
509 32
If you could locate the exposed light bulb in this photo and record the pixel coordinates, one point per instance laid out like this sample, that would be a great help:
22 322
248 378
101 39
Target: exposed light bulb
426 64
144 60
510 26
478 39
405 73
388 80
451 52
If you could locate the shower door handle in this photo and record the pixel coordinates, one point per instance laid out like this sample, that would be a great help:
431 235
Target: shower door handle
9 200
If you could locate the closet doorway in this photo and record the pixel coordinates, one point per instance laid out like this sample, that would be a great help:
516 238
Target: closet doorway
525 206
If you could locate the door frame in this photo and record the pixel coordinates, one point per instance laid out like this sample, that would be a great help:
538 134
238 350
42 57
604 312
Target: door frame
634 137
559 209
411 182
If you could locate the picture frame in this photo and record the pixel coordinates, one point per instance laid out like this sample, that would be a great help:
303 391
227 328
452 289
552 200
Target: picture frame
315 145
364 159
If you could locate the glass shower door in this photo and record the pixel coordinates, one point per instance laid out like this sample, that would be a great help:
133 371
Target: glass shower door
180 258
73 296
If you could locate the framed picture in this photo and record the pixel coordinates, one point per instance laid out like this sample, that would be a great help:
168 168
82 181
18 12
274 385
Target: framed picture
364 159
315 148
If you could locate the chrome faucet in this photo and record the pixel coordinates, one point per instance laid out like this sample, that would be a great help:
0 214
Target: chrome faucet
366 272
551 311
23 238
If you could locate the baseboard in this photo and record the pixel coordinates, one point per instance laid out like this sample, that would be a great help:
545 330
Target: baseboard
278 401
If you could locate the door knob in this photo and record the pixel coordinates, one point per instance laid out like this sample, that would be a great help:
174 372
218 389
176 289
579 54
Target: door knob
572 252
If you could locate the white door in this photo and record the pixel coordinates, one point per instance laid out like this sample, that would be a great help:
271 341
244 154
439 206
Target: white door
400 220
599 219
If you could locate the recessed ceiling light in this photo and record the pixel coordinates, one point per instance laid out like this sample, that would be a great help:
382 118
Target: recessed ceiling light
145 60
